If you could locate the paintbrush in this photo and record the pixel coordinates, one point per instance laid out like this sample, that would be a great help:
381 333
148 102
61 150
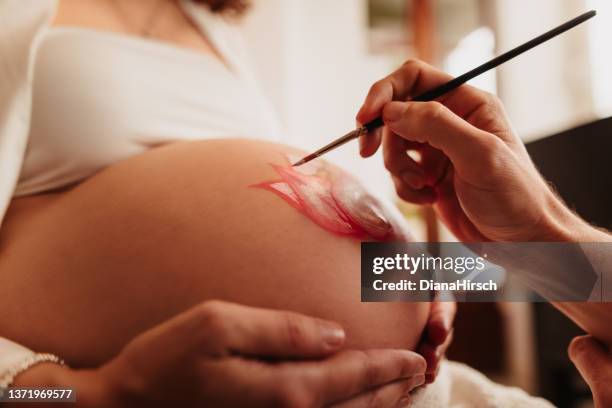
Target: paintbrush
454 83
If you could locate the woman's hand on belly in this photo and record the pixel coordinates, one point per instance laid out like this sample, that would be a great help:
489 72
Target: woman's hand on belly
437 336
222 354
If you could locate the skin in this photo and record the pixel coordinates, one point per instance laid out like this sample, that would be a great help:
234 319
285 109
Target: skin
476 173
231 353
334 201
357 215
163 237
593 361
171 26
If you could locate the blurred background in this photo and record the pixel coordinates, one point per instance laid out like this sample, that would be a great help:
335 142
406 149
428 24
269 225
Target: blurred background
318 58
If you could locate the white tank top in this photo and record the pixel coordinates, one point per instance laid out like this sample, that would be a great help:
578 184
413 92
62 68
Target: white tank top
100 97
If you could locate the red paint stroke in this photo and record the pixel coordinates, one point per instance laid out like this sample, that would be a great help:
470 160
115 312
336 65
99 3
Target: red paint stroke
335 201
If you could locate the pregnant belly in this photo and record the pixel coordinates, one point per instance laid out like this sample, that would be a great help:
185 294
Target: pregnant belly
85 270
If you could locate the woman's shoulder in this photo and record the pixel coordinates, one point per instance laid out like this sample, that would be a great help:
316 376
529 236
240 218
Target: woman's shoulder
24 14
23 23
24 20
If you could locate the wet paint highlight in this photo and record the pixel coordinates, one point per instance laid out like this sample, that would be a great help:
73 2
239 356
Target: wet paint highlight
333 200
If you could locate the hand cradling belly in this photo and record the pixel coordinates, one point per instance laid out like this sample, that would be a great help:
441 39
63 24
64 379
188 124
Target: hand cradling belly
333 200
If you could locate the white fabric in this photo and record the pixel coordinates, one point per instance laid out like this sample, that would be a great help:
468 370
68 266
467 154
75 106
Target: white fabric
11 355
74 100
21 26
459 386
100 97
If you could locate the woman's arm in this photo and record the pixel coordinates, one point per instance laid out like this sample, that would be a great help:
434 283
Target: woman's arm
218 354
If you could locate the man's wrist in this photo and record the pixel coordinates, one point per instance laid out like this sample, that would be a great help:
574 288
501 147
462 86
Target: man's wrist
560 224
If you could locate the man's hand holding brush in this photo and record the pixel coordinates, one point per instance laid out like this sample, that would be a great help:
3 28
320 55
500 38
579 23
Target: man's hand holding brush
472 166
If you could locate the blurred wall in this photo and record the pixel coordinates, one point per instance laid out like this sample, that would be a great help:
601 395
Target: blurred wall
600 33
312 57
313 60
547 89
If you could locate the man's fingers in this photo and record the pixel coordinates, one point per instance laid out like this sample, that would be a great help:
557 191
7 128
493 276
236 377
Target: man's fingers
451 212
227 328
480 109
436 125
435 164
591 359
350 373
423 196
412 78
399 163
395 394
369 144
429 171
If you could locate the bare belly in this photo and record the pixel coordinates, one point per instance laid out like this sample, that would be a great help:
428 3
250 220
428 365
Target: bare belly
86 270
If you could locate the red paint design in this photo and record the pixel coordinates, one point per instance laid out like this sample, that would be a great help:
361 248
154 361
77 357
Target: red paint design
334 201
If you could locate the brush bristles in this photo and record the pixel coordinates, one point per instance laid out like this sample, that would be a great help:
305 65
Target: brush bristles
305 160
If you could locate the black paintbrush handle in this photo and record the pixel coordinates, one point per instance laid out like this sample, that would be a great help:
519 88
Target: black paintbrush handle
460 80
373 125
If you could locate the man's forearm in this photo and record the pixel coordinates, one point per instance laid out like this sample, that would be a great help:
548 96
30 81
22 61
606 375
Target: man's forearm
594 317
